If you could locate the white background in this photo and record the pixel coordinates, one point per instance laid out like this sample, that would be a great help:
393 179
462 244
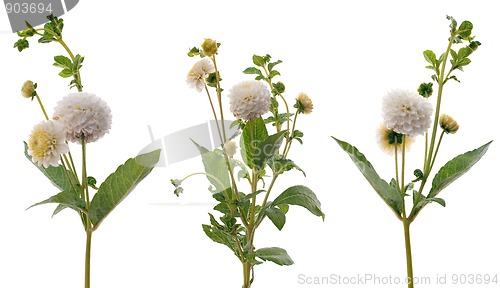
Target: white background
345 54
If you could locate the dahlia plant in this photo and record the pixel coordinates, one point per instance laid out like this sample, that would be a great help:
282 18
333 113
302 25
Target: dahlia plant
243 186
80 118
409 114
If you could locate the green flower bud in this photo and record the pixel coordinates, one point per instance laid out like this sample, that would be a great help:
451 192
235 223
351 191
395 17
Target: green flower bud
448 124
209 47
28 89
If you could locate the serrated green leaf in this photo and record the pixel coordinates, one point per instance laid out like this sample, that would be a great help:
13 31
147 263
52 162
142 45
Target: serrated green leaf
253 134
388 193
277 216
215 166
450 172
301 196
68 199
455 168
274 254
21 44
271 65
273 73
280 166
66 73
119 184
56 175
62 62
258 60
252 70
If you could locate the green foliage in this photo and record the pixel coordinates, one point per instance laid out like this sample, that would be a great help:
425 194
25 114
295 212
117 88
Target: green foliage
67 200
119 184
215 167
450 172
274 254
253 134
301 196
388 193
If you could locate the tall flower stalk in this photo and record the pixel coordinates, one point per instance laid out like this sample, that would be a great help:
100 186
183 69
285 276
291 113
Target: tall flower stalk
81 118
238 185
407 115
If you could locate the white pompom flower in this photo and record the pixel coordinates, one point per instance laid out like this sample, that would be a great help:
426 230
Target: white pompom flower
199 73
406 112
47 143
83 115
249 99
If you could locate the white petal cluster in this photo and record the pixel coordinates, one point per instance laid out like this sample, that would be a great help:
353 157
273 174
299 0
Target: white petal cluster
199 73
83 114
47 143
406 112
249 99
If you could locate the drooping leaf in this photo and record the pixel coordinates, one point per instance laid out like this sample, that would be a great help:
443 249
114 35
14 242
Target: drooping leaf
67 199
388 193
277 216
119 184
280 166
301 196
218 235
58 176
274 254
216 168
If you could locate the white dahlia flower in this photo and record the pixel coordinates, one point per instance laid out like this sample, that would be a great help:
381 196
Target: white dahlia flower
406 112
199 73
83 114
47 143
249 99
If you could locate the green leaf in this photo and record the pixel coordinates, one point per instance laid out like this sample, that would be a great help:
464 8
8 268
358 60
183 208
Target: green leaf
455 168
215 166
63 62
274 254
66 73
388 193
58 176
280 166
119 184
430 57
277 216
21 44
273 73
67 199
253 134
252 70
465 29
258 60
267 149
193 52
440 201
450 172
271 65
218 235
301 196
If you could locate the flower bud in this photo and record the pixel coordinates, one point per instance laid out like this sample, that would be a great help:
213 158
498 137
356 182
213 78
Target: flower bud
230 148
448 124
304 104
209 47
28 89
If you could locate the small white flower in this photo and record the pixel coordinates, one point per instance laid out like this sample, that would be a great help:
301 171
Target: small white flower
199 73
249 99
83 114
406 112
47 143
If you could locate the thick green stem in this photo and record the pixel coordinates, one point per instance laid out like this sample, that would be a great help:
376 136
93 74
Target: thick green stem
409 265
247 269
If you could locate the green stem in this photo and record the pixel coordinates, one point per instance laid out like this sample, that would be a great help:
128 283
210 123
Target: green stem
246 275
88 227
409 265
288 143
41 106
437 149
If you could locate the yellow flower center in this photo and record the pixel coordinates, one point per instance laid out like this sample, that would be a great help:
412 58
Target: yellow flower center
40 143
